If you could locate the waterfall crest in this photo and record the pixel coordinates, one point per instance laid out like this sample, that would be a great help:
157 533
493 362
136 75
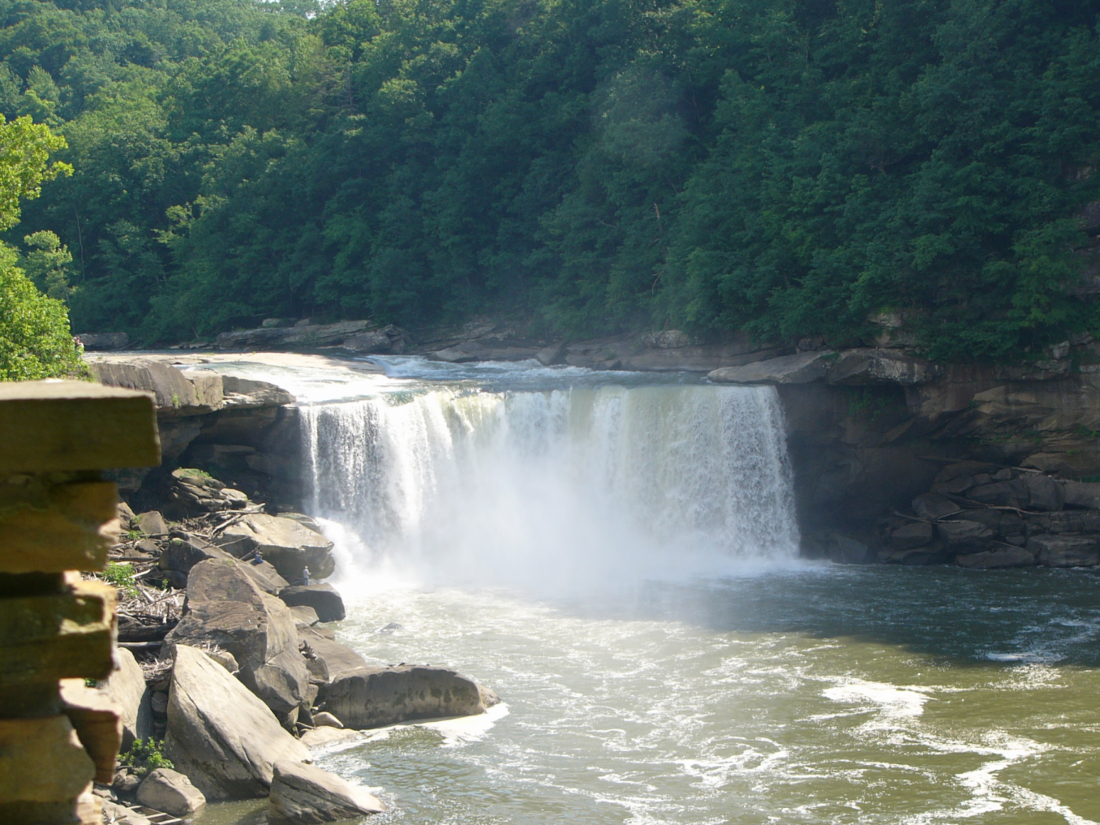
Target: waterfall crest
555 479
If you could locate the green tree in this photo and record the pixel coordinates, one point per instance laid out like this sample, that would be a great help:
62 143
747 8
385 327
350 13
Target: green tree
35 341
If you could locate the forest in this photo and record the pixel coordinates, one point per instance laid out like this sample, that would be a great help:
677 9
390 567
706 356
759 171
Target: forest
787 168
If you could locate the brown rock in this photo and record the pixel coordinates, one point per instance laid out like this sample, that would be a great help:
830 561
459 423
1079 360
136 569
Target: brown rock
304 794
42 760
96 717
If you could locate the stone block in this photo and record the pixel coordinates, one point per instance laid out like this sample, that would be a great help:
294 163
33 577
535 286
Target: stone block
59 426
42 760
51 529
97 719
49 637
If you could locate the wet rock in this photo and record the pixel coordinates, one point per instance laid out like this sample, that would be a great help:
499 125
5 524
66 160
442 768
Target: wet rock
1081 494
1066 551
170 791
221 736
552 355
998 558
933 553
933 506
916 534
964 534
1003 494
1044 493
1002 523
326 737
304 794
374 697
1068 521
323 598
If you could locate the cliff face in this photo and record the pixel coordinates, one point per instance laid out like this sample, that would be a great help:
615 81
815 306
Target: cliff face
869 430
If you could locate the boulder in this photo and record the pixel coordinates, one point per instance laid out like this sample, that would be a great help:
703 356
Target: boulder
304 616
374 697
552 355
1068 521
1081 494
339 660
998 558
1066 551
390 340
198 493
323 598
305 334
286 543
933 506
788 369
126 686
326 720
917 534
879 366
151 523
121 815
964 534
964 468
1002 494
999 521
174 393
302 794
227 609
184 551
1044 493
171 792
219 735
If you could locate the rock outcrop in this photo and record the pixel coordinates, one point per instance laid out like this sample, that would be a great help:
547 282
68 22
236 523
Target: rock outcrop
373 697
303 795
225 608
224 739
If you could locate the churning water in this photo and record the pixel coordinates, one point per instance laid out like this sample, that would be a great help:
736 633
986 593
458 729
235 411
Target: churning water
616 557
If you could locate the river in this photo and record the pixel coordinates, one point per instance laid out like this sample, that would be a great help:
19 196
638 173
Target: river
615 554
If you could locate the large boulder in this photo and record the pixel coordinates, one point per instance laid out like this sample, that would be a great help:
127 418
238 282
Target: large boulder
1013 493
197 492
227 609
962 534
304 795
286 543
323 598
789 369
880 366
374 697
184 551
127 687
219 735
910 536
171 792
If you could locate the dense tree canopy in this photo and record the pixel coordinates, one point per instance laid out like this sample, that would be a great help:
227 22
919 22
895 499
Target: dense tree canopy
789 167
34 329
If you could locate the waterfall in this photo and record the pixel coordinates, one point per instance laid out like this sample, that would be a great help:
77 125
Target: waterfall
551 482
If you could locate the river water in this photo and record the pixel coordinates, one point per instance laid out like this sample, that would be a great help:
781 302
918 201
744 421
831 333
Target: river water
616 556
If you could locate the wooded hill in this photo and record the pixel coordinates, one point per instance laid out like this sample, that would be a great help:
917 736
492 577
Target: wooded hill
790 167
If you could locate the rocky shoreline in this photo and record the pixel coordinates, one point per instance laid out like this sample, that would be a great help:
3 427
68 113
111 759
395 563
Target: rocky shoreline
229 663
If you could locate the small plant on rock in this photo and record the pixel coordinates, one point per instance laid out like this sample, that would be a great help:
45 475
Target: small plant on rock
144 756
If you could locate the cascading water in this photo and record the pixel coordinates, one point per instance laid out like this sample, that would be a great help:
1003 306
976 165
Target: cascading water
565 483
487 517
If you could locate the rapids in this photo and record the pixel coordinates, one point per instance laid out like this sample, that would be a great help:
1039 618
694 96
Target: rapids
615 554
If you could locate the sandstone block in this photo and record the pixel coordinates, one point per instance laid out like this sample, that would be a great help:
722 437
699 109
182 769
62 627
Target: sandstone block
286 543
96 717
1066 551
1002 494
933 506
788 369
1082 494
913 535
53 528
48 426
127 687
49 637
42 760
964 534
